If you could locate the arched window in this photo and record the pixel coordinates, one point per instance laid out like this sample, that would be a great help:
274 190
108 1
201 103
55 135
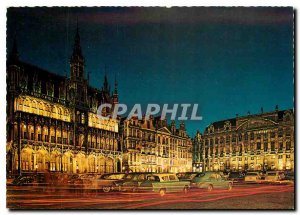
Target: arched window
66 163
27 105
34 107
109 165
233 138
66 114
48 110
41 108
102 143
287 132
101 165
25 160
240 137
111 145
54 112
280 132
20 104
91 164
59 113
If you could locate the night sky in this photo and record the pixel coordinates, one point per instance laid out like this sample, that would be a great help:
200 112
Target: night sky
227 60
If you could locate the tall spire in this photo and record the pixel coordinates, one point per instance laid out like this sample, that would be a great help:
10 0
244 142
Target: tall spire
116 86
105 83
14 55
77 60
77 53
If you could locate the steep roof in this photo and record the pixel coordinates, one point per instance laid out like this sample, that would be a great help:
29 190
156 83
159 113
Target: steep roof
220 124
42 75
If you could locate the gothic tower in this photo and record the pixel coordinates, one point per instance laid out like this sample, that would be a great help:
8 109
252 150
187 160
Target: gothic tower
77 60
115 99
78 83
77 94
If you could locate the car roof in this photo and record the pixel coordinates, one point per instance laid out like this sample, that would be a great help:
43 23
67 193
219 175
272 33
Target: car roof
164 174
132 173
211 172
187 172
113 173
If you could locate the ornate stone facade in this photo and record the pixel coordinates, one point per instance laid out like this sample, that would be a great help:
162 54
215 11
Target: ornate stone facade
197 152
52 123
254 142
153 146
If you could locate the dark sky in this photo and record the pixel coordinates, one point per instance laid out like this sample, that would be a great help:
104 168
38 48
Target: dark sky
227 60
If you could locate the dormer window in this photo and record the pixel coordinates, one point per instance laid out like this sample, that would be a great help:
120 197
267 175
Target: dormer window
50 91
37 87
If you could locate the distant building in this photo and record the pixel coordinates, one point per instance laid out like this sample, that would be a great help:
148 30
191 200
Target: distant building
262 141
52 123
153 146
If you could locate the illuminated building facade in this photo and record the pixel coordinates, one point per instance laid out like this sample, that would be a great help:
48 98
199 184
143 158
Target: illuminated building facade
153 146
52 122
197 152
254 142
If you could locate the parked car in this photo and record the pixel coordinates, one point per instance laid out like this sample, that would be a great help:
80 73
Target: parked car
10 179
253 177
58 178
224 174
236 177
74 179
186 176
289 175
108 182
132 181
23 180
163 183
210 181
274 176
88 178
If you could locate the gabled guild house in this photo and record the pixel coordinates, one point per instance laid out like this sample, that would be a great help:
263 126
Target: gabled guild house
263 141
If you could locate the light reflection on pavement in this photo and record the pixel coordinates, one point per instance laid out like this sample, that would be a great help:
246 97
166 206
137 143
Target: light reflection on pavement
38 197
